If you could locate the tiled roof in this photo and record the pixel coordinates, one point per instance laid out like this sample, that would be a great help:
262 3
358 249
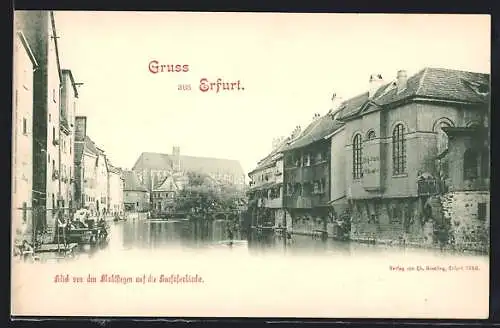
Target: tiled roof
168 184
268 160
316 131
87 145
132 183
433 83
90 146
114 169
157 161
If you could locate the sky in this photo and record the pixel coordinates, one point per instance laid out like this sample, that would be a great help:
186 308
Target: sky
288 64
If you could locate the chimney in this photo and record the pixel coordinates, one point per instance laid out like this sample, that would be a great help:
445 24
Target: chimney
277 141
336 102
402 80
316 116
176 154
80 128
376 81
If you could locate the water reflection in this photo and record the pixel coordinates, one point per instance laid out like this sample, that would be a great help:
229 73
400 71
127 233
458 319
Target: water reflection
158 234
184 234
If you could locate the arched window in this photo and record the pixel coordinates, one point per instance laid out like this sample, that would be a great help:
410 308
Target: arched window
371 135
399 150
357 166
442 137
471 167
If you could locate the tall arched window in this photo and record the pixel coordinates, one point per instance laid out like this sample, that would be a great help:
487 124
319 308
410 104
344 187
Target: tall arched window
357 166
442 137
471 164
399 150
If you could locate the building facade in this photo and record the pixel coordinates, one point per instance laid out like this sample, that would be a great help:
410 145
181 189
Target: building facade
307 176
164 195
69 98
102 184
39 30
87 169
266 188
394 136
116 184
54 84
22 138
136 197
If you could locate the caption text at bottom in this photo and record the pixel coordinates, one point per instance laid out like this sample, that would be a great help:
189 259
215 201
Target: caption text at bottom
124 279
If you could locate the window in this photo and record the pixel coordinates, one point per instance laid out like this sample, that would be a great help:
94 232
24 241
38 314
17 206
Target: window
398 150
70 148
50 118
481 211
470 164
442 137
357 167
54 95
25 126
298 189
53 165
371 135
307 160
53 134
485 163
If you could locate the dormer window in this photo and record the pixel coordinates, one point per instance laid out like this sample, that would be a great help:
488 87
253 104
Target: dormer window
479 88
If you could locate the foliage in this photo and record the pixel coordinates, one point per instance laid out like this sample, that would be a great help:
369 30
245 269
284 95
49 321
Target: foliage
203 196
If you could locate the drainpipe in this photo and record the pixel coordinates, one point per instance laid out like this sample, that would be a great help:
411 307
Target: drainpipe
59 146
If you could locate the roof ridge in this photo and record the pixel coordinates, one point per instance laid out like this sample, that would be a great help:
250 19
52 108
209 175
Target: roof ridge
422 78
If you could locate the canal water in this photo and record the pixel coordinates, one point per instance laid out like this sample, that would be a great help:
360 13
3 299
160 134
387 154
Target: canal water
184 268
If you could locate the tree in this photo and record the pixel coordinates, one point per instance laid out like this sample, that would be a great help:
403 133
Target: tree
204 197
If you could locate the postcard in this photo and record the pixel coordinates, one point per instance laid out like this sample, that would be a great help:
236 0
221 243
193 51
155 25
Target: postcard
285 165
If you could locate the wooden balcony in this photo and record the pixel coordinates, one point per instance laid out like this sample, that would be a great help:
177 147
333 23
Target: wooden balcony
427 187
311 201
307 173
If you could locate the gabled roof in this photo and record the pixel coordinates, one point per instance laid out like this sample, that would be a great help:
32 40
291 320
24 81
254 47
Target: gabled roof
87 145
91 146
114 169
132 183
168 184
317 130
268 160
431 83
158 161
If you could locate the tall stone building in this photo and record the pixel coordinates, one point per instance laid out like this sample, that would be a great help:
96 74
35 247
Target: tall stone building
395 135
22 137
39 30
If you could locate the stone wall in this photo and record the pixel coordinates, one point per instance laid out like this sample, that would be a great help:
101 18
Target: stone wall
374 222
468 231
